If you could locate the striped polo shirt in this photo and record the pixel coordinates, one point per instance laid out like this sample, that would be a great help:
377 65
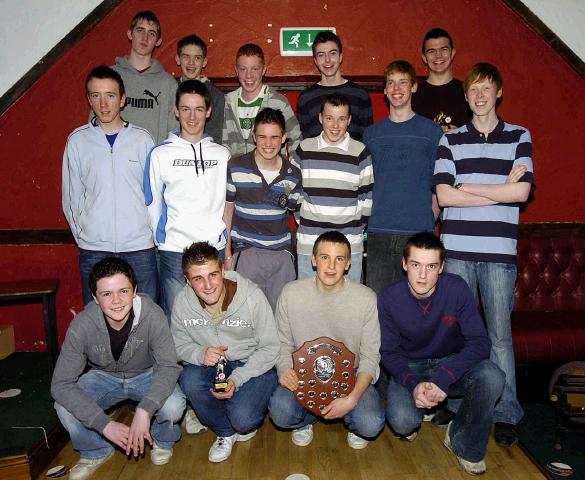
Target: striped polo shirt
488 233
337 191
260 210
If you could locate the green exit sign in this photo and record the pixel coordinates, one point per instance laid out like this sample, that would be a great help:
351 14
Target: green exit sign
297 41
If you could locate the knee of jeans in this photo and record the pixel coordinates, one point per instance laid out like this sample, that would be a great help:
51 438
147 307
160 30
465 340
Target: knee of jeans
173 408
244 421
491 377
68 421
282 408
401 420
192 380
369 425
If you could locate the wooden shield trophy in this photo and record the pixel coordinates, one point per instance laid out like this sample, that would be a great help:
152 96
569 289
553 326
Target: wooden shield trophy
325 369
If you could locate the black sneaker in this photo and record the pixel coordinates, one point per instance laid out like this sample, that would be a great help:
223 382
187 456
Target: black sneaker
442 417
505 434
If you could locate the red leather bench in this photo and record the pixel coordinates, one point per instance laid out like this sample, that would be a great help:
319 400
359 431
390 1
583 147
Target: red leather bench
548 323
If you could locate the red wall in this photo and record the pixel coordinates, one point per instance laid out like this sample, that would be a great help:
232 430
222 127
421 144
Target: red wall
541 92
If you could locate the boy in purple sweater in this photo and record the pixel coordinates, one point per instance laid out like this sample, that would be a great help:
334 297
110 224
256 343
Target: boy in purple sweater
434 344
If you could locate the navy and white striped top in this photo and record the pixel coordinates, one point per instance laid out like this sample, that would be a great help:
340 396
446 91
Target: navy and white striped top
464 155
260 212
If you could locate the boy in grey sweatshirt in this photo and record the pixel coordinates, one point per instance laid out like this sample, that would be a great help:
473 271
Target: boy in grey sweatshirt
220 316
124 340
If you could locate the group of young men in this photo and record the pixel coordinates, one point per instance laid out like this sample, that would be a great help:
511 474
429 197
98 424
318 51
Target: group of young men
198 222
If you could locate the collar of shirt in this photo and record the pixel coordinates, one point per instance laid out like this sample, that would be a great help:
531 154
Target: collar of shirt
343 145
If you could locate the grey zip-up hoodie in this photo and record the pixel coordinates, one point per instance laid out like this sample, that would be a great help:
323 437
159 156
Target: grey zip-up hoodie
150 98
102 189
247 328
87 343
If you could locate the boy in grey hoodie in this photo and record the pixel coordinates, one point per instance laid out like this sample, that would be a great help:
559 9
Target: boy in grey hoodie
150 90
220 316
124 340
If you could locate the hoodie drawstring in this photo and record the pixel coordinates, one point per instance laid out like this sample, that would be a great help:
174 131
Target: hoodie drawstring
200 157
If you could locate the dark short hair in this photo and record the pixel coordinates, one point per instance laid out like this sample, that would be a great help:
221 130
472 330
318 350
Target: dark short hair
193 87
436 33
270 115
199 253
108 267
425 241
480 72
332 236
250 50
192 40
150 17
400 66
103 72
336 100
326 36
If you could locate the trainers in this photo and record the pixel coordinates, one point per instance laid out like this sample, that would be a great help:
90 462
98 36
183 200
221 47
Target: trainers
409 438
302 437
443 417
505 434
86 467
473 468
356 442
192 423
159 455
222 448
245 437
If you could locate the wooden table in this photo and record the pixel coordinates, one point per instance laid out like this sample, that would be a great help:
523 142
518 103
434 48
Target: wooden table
31 291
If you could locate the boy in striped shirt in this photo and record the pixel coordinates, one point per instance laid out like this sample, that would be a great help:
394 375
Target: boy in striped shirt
262 186
482 174
337 186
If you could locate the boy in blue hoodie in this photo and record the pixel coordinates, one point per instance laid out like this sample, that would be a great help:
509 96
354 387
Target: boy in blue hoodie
102 192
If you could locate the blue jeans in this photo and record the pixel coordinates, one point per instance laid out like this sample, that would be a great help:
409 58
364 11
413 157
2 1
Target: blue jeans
239 414
496 282
171 278
365 420
384 264
142 262
480 387
305 267
107 391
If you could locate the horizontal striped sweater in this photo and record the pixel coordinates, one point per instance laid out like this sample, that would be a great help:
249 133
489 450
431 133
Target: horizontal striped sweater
337 192
488 233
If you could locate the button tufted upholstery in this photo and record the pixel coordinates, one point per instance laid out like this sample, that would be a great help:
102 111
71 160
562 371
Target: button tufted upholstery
548 323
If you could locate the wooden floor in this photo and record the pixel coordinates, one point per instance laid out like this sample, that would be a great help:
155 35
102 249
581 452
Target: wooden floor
272 456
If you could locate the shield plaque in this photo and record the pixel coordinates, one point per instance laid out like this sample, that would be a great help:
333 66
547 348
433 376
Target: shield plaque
325 369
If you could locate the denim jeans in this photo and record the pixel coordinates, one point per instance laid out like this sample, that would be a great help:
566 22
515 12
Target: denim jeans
239 414
384 264
171 278
305 267
107 391
480 388
365 420
142 262
496 282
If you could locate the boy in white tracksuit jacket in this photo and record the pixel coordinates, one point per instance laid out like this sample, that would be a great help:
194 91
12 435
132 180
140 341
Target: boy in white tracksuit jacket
184 186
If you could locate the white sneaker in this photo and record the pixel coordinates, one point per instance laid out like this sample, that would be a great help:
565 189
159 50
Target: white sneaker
409 438
159 455
356 442
192 423
245 437
302 437
86 467
221 448
473 468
